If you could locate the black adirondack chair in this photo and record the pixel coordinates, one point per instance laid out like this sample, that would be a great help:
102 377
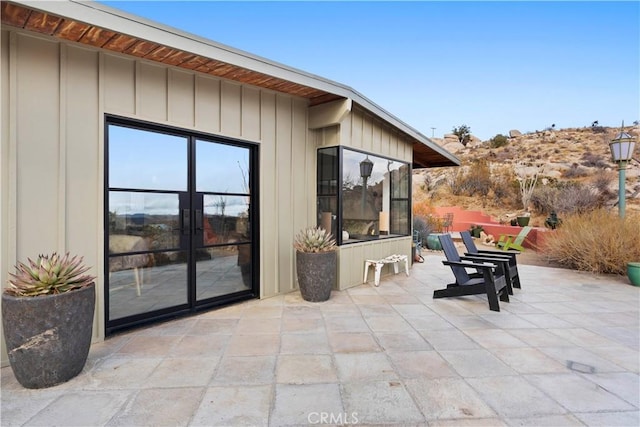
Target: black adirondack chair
472 250
488 277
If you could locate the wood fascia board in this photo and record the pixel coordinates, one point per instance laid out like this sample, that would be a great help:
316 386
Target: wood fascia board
329 114
116 20
103 16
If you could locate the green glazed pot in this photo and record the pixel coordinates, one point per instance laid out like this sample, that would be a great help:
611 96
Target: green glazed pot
433 242
633 272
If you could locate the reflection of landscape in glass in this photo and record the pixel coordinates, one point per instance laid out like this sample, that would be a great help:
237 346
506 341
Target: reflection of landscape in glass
146 282
145 160
153 216
226 219
223 270
364 198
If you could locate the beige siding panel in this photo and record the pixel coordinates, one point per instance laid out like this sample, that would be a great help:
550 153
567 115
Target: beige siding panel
207 104
284 187
151 95
181 98
367 134
250 114
385 142
83 166
38 115
353 257
393 147
6 163
327 137
345 131
231 109
407 155
269 284
376 137
7 181
119 85
356 130
303 170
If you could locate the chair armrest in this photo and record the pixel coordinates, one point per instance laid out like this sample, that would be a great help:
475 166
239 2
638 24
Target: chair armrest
508 252
505 256
484 259
489 267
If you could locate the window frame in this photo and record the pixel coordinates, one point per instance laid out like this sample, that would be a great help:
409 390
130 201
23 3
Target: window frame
339 195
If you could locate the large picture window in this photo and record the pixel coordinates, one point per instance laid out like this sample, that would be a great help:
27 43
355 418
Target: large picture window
362 196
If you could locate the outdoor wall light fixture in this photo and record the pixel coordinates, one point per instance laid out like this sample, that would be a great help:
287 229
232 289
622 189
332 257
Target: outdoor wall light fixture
622 147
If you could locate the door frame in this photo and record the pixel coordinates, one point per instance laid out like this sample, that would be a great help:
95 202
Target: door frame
192 306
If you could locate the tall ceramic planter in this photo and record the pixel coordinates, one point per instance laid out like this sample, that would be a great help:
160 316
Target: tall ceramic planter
633 273
48 337
316 274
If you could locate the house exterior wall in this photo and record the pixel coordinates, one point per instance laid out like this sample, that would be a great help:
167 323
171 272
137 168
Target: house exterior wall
361 131
54 97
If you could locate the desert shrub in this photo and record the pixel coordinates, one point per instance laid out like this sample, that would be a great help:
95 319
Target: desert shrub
423 227
594 161
506 190
602 183
498 141
567 198
422 208
544 199
597 241
575 171
475 181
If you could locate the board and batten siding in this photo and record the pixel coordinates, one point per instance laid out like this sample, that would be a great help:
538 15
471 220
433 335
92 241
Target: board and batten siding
361 131
54 98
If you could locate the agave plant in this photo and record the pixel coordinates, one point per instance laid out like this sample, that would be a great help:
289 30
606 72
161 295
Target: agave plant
314 239
49 275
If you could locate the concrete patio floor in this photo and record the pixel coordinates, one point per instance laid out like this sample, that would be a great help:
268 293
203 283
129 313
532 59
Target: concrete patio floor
564 351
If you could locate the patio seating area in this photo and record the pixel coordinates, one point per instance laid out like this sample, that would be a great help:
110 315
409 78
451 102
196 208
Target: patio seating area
563 351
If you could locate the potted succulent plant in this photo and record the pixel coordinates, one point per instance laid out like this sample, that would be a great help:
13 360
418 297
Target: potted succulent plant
47 319
475 230
316 263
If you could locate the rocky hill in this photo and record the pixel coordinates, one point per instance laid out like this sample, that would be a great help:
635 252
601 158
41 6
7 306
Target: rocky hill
559 156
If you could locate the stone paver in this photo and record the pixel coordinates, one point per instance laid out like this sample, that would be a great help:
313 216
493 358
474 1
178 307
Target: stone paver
563 352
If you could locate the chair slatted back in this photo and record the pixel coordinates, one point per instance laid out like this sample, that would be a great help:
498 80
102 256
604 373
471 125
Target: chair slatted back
468 242
451 253
522 235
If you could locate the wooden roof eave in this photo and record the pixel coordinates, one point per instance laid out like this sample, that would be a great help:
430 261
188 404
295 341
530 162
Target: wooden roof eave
153 39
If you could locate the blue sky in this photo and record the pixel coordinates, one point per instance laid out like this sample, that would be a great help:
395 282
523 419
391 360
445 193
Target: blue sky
493 66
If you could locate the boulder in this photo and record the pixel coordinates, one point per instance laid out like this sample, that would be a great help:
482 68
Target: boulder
453 147
475 141
514 132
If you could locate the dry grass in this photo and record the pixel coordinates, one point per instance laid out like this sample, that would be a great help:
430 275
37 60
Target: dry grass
597 241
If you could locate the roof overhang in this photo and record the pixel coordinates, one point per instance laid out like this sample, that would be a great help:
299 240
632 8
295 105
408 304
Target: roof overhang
103 27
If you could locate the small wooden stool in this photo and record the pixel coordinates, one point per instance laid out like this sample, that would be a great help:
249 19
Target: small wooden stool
378 263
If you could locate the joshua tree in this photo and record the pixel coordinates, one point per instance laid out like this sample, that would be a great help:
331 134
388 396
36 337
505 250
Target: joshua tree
463 132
